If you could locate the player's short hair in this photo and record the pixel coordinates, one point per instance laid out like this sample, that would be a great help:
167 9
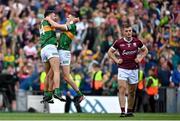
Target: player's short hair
126 25
47 12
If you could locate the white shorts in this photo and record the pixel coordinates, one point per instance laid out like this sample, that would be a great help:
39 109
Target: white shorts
65 57
128 75
48 52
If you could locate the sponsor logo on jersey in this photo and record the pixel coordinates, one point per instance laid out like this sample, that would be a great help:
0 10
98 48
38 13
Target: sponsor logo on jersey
129 44
126 52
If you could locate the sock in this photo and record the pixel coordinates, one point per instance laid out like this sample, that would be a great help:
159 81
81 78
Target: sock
48 93
57 91
122 110
79 93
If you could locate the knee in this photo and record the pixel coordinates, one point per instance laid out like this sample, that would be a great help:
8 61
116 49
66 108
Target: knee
49 77
122 89
56 71
132 94
122 86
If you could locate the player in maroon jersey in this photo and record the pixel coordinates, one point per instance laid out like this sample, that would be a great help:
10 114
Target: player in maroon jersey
131 51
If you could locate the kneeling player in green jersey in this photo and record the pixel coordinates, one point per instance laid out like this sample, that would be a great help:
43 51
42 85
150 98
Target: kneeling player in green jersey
64 44
50 56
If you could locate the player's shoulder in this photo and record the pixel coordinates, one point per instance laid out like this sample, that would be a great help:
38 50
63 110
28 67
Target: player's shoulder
136 39
120 40
45 22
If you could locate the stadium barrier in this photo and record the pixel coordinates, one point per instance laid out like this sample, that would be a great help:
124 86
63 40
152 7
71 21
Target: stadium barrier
1 99
169 101
21 100
92 104
161 102
178 100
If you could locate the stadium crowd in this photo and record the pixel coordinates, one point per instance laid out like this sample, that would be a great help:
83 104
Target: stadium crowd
155 23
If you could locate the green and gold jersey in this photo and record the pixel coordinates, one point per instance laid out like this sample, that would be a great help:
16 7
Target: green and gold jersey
47 34
66 38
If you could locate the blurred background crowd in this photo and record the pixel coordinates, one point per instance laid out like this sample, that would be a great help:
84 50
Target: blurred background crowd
155 23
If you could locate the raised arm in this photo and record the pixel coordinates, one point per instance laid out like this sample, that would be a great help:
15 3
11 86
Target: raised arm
56 25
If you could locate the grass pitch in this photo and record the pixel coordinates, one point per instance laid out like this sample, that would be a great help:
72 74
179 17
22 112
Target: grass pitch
87 116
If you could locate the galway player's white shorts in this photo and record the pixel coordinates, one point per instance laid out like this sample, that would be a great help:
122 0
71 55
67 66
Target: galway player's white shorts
48 52
65 57
128 75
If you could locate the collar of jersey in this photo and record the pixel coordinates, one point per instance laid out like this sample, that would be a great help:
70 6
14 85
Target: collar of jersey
127 40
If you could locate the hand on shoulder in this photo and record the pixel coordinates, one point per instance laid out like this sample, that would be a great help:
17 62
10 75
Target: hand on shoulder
47 18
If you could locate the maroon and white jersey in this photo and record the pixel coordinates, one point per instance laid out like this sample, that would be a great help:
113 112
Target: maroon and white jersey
128 51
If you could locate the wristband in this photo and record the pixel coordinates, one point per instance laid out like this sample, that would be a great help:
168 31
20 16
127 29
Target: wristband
66 27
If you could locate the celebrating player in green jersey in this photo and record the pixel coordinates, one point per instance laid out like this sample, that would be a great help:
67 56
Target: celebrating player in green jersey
64 44
50 56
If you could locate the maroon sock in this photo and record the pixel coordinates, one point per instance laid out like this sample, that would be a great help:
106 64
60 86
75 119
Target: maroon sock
122 109
130 110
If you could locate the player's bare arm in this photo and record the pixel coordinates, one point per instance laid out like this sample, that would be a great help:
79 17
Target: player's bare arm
55 24
142 54
111 54
71 19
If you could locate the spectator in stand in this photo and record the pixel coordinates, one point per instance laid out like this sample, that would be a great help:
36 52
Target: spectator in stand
9 58
164 72
175 80
30 49
20 59
31 78
105 45
9 84
112 85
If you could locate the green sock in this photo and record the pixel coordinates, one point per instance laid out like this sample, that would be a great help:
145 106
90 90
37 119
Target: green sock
57 91
48 93
79 93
